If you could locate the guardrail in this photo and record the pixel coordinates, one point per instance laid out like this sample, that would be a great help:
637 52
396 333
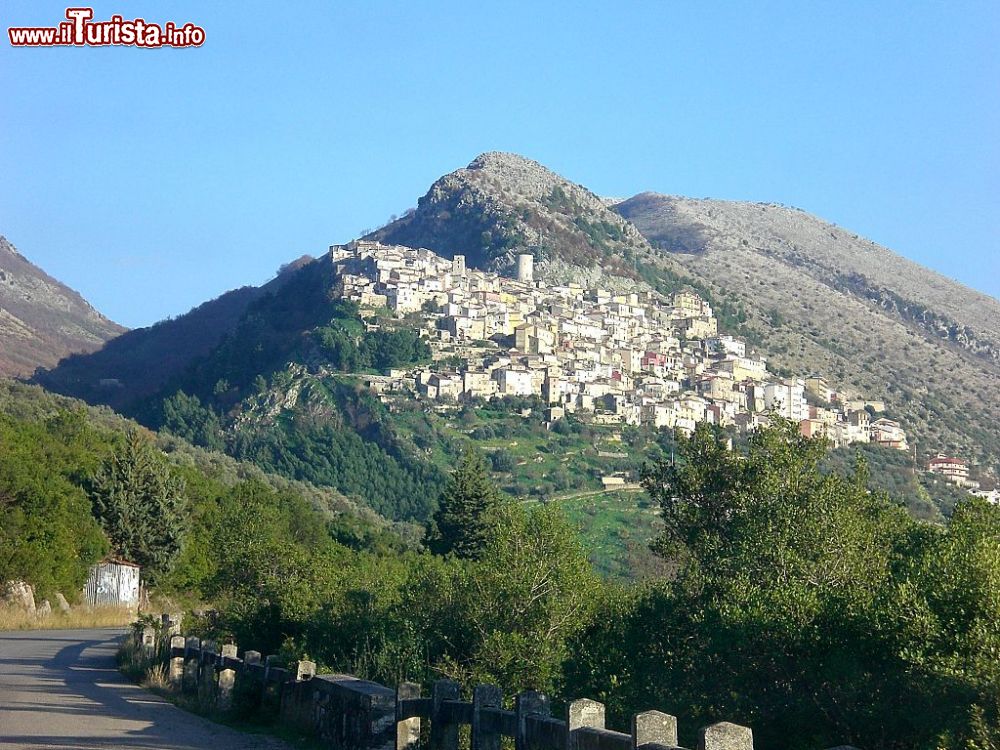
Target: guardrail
355 714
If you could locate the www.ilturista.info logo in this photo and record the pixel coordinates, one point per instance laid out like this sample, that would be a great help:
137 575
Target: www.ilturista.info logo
80 30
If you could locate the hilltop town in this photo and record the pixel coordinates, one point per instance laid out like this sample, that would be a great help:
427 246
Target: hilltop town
637 359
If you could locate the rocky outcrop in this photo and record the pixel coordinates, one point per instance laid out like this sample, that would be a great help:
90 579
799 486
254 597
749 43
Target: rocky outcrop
502 205
18 594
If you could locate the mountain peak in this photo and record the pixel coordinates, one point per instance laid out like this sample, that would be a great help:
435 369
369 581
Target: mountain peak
519 175
504 204
502 159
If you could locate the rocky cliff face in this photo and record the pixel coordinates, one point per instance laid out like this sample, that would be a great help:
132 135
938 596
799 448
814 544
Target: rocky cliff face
41 319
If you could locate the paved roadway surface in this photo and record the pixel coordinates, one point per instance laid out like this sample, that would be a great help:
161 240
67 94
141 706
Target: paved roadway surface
61 689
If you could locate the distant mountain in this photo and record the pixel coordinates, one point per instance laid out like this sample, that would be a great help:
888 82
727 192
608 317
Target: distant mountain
240 374
258 369
41 319
822 299
810 295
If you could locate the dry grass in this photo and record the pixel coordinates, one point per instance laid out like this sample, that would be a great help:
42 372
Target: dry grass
156 679
14 618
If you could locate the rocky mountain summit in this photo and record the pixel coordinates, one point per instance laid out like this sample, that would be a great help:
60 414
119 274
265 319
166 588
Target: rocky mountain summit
504 204
41 319
813 297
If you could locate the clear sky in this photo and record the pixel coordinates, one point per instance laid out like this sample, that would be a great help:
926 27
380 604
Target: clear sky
152 180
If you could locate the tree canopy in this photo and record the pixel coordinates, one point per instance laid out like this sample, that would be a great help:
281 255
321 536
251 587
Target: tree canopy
806 605
461 523
140 504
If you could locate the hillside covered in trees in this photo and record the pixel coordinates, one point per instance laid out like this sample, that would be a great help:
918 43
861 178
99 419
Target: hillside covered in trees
791 597
77 484
796 601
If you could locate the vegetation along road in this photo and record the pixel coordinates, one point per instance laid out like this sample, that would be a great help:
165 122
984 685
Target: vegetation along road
62 688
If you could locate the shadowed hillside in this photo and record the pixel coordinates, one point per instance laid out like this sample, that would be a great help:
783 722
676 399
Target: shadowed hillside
138 363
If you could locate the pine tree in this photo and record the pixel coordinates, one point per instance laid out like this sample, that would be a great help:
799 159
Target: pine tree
140 504
462 519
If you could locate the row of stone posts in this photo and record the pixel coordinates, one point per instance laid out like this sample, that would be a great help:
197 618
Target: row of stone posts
355 714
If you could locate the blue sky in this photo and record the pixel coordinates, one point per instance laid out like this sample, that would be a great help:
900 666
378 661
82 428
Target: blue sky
152 180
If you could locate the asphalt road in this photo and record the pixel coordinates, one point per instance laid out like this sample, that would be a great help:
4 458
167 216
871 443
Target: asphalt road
61 689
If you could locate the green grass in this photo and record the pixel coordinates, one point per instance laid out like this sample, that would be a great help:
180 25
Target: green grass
546 464
616 528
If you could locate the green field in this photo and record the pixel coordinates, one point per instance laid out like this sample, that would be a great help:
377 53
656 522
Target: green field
529 460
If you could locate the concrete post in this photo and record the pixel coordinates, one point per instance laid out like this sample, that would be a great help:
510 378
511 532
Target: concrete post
209 653
176 660
149 642
172 622
270 696
407 730
227 677
444 735
725 736
208 683
580 714
304 670
483 737
528 703
653 728
270 662
192 658
227 680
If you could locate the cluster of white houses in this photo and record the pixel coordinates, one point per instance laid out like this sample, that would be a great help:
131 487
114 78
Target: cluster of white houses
636 358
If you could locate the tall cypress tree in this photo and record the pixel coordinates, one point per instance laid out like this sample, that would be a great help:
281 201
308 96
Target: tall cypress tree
140 504
462 519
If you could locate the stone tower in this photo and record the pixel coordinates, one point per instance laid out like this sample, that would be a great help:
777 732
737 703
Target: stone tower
458 265
525 268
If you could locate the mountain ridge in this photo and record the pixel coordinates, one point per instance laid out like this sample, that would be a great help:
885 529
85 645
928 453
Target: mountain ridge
43 320
137 363
813 297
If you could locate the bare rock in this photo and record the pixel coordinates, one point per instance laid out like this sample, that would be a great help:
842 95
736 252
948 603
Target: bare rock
18 594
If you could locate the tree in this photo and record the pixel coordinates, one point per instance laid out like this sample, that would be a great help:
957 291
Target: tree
140 504
461 521
186 417
805 605
48 536
529 591
502 460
